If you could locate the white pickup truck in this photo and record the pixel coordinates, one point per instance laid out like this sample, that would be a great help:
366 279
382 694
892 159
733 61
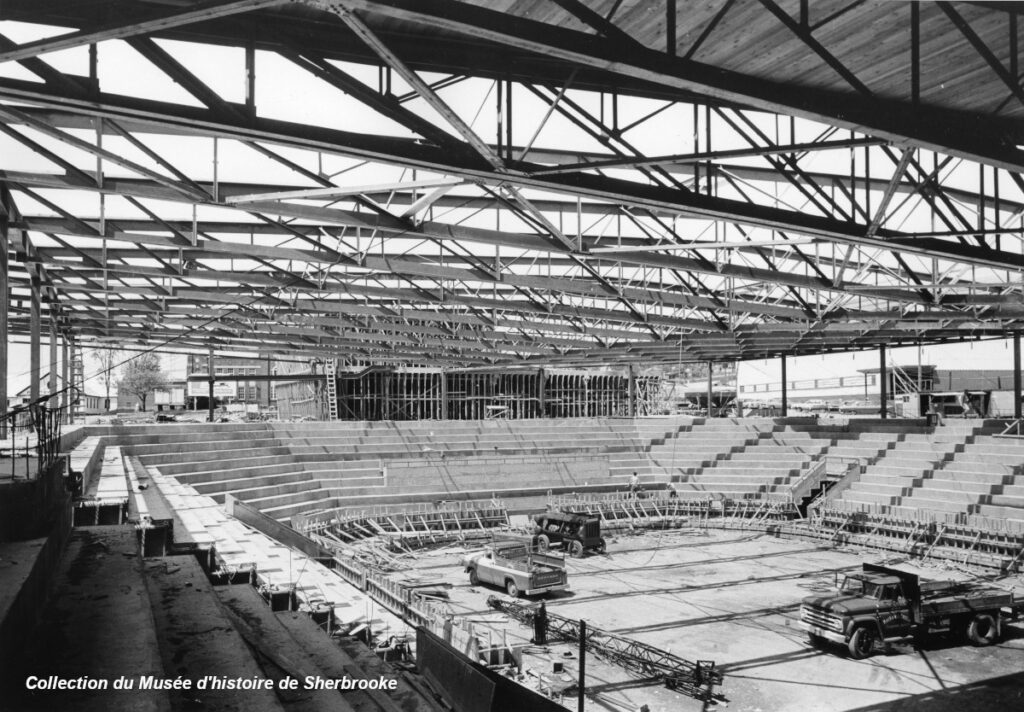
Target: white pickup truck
513 567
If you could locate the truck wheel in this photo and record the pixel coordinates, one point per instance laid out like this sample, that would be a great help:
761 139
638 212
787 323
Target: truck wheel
474 580
601 546
862 642
576 549
543 543
511 588
982 630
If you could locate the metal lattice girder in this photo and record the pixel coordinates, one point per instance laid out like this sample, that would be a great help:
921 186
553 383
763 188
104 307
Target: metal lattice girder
516 211
694 679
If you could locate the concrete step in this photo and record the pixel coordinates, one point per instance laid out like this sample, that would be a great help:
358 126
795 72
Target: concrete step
175 452
867 498
872 488
227 463
96 623
934 504
1007 500
1002 511
198 639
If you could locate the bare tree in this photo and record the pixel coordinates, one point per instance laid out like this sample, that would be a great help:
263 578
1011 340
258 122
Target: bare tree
109 362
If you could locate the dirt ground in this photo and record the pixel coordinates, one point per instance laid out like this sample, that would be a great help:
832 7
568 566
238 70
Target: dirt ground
733 597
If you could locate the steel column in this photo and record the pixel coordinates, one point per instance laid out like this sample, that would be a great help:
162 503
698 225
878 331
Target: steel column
35 325
785 392
631 407
51 382
4 310
582 684
65 369
883 378
710 388
1016 376
209 371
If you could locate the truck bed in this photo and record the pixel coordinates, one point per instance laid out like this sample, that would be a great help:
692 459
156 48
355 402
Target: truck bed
982 600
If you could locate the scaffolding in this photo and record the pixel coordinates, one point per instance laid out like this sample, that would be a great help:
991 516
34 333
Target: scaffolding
406 393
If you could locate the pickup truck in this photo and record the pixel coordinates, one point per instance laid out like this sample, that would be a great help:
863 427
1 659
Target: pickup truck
886 604
515 568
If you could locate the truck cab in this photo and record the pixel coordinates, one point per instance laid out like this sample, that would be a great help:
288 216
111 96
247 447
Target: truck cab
512 566
885 604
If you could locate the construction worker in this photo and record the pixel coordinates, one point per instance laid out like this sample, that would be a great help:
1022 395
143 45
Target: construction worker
634 484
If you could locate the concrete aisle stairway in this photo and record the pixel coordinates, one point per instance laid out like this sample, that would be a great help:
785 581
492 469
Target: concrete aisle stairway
983 473
290 644
769 464
906 465
198 639
97 622
705 442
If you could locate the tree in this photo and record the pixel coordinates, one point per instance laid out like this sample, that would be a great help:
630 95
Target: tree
109 361
142 375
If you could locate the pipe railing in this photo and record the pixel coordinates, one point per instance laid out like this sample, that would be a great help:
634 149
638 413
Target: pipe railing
34 431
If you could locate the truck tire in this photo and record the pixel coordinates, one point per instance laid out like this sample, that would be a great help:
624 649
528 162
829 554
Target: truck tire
862 642
543 543
601 547
576 549
511 588
474 580
982 630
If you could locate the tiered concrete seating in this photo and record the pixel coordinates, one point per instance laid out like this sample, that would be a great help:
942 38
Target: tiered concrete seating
767 465
982 474
286 468
705 441
239 549
893 476
908 464
864 447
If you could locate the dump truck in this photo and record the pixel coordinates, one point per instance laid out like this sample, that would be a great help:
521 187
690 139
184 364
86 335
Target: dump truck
515 568
573 532
882 604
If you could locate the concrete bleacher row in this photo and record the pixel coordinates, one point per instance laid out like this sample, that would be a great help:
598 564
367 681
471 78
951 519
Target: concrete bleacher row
961 468
113 613
287 469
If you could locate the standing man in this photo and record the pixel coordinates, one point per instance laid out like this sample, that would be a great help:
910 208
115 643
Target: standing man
965 403
634 484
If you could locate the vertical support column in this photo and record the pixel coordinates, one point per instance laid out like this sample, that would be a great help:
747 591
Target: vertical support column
34 327
711 388
785 387
631 406
1016 377
883 382
209 381
4 311
541 392
582 683
51 383
65 372
442 398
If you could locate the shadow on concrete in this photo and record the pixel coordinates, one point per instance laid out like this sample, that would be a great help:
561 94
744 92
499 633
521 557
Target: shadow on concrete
998 693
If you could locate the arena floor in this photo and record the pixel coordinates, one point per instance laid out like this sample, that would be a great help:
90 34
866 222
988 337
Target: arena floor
733 597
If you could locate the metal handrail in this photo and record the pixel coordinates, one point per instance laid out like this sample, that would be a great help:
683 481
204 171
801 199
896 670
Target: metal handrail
37 418
799 489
